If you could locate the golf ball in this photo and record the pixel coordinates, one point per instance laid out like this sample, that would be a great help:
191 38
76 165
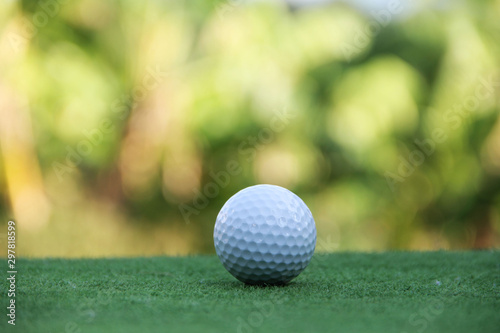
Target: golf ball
265 234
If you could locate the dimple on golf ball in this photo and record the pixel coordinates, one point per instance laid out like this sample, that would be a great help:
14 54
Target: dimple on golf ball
265 234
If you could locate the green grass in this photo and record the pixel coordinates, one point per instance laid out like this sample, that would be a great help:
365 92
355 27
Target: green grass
345 292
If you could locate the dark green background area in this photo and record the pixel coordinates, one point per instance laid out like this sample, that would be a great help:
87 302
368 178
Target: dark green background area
343 292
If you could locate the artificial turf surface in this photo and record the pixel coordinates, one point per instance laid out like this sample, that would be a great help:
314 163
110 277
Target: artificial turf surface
344 292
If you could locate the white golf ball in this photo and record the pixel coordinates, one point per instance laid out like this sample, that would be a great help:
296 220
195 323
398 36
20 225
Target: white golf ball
265 234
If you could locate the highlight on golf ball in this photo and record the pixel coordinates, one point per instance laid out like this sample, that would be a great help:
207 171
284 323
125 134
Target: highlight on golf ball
265 234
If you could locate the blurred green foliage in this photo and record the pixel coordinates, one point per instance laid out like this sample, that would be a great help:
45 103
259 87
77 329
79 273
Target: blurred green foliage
126 125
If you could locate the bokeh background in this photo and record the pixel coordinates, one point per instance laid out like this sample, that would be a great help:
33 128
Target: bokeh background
126 125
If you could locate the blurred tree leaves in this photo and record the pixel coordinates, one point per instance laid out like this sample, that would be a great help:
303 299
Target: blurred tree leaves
227 72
